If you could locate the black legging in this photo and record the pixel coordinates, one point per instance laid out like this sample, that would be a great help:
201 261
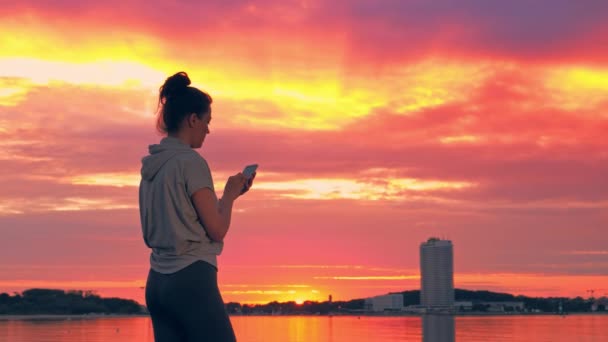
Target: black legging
187 305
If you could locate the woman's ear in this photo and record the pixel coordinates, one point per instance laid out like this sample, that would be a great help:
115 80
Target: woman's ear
192 119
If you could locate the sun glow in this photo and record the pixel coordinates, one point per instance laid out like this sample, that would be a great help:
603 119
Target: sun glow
99 72
460 139
577 88
107 179
359 189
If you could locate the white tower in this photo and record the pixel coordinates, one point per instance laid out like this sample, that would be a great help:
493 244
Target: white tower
436 274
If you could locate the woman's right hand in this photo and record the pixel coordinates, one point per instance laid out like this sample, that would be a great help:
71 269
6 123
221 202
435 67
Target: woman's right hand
234 186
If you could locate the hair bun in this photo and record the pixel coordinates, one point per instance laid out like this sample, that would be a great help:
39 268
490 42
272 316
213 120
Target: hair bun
175 85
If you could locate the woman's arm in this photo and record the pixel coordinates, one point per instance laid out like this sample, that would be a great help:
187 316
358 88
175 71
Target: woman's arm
215 215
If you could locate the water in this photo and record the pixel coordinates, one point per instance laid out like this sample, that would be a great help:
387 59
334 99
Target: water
329 329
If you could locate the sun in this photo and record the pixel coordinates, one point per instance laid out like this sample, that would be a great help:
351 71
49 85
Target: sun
299 301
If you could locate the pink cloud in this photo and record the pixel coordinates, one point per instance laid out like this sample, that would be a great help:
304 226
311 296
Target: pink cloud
567 165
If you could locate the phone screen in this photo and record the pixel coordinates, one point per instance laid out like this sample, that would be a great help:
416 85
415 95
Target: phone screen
249 170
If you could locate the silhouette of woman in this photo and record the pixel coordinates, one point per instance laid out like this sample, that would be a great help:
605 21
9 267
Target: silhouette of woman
183 222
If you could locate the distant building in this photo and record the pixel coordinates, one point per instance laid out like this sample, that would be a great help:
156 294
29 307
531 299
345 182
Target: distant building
600 304
463 306
417 309
436 274
390 302
502 306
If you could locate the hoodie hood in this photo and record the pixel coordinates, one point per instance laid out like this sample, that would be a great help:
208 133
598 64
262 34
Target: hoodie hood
160 154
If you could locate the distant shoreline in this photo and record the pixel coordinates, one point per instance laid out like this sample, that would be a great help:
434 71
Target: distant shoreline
475 314
60 317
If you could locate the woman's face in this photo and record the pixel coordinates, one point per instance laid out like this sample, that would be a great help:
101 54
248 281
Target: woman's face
200 129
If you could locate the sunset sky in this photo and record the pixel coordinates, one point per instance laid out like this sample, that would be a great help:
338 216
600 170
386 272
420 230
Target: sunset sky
376 125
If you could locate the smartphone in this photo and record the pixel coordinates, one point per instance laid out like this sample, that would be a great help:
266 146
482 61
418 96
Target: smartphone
249 170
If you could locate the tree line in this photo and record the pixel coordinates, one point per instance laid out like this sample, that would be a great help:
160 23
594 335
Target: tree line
59 302
412 297
76 302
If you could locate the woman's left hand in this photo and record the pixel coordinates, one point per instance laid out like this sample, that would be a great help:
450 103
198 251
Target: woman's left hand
248 184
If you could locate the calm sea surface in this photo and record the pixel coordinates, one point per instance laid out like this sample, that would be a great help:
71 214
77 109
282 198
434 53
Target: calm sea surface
334 329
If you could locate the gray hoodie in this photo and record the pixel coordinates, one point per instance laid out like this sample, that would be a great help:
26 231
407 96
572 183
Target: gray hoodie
171 228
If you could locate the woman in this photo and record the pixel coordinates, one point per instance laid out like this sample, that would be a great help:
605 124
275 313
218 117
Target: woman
183 222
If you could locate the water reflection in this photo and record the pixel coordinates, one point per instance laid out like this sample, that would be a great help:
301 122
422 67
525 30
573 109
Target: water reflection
326 329
438 328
